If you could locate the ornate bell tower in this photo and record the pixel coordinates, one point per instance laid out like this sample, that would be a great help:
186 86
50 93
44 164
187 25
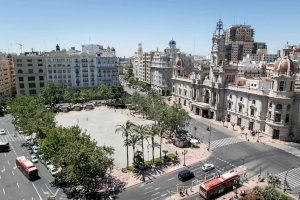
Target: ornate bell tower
218 55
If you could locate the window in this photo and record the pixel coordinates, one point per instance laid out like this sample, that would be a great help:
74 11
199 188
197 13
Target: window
241 99
41 71
270 105
291 87
32 91
240 108
279 106
29 65
31 78
41 84
40 64
287 118
229 105
21 85
269 114
281 85
41 78
230 96
252 112
288 107
239 121
277 117
20 71
30 71
253 101
29 60
31 85
21 79
228 118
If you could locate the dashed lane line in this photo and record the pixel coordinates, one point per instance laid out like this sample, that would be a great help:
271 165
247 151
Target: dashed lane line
155 194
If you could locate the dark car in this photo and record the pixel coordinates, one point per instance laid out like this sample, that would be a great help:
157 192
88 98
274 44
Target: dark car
185 175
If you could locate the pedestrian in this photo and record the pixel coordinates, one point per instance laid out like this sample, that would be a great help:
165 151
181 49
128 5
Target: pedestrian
186 192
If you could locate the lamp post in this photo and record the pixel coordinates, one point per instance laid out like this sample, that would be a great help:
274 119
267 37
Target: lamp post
209 137
184 153
195 129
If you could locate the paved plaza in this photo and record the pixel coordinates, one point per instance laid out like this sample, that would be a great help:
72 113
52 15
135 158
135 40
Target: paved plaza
101 124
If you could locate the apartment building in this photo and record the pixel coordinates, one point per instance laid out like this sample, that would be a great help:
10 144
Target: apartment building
67 67
30 72
7 76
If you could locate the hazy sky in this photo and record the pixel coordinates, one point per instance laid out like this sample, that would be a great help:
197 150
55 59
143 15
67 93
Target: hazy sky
41 24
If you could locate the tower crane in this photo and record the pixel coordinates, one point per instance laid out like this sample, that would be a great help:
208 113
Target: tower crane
20 45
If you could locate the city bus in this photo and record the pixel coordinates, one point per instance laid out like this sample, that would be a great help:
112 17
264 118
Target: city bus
218 185
27 168
4 146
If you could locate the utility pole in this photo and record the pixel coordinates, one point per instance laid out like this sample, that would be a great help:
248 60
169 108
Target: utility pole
195 129
209 129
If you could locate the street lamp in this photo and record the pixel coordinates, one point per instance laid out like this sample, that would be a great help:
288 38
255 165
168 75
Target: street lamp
209 129
184 153
195 129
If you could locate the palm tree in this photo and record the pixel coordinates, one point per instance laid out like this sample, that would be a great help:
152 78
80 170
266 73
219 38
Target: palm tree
132 141
154 131
143 132
126 130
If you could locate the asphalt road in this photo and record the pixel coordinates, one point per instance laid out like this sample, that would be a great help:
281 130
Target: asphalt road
228 151
13 184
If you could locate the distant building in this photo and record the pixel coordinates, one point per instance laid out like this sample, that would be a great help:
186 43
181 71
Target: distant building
239 41
70 68
249 68
7 76
30 72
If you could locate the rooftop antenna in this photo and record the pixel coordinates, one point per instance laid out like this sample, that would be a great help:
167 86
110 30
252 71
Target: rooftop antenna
20 45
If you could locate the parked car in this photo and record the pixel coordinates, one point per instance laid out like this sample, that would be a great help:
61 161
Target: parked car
52 169
207 167
35 149
2 132
34 159
185 175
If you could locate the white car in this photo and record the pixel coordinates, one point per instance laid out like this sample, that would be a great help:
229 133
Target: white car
2 132
34 159
52 169
35 149
207 167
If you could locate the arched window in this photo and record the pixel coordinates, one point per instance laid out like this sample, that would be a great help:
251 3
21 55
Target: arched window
241 99
253 101
281 85
279 106
230 96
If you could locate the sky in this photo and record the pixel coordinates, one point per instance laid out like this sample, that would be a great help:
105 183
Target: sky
41 24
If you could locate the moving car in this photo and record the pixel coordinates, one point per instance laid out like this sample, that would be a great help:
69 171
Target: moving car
2 132
207 167
185 175
34 159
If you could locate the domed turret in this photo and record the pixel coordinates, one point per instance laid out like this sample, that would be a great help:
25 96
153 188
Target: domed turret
172 42
284 66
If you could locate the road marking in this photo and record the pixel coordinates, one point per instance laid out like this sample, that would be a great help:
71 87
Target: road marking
15 167
3 191
155 198
56 192
36 191
155 194
5 154
49 189
3 170
13 173
163 195
18 185
148 187
0 177
14 150
156 188
8 162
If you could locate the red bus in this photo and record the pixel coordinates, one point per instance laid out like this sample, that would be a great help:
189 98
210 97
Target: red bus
218 185
27 168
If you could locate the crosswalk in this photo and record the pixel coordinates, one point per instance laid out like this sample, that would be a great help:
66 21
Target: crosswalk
11 138
224 142
292 178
